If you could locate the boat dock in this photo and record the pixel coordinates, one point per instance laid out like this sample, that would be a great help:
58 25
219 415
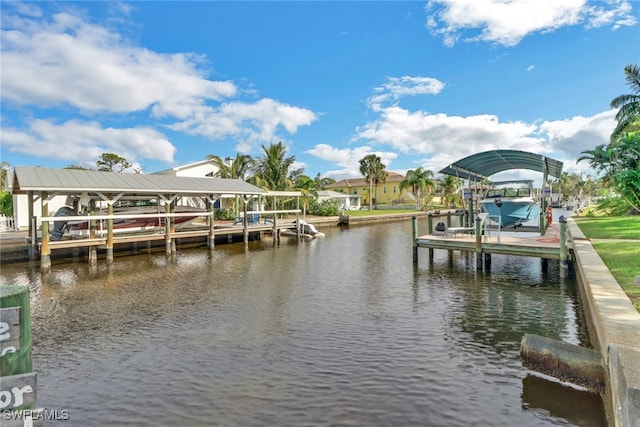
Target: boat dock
485 240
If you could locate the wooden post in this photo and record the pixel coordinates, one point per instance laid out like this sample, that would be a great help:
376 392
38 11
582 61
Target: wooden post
33 233
93 251
564 266
448 219
45 252
245 222
487 261
167 229
276 235
211 240
430 222
478 243
109 232
172 227
414 225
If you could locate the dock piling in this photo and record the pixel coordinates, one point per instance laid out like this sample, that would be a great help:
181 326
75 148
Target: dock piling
564 265
414 224
478 232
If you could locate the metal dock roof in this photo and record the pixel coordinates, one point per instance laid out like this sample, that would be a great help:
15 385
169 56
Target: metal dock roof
482 165
74 181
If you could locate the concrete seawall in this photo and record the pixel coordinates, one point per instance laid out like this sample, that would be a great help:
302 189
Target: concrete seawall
615 328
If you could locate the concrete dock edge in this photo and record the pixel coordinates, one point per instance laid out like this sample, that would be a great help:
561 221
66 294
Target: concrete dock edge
615 328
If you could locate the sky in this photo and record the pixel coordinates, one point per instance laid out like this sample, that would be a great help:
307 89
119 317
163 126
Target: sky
418 83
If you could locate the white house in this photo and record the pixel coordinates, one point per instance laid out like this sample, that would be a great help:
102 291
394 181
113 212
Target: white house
345 201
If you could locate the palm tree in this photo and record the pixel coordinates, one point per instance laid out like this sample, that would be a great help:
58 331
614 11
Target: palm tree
307 187
273 170
450 185
628 104
600 158
419 180
379 178
371 167
237 169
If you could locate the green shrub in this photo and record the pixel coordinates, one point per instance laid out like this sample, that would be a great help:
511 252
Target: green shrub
326 208
613 206
6 203
223 214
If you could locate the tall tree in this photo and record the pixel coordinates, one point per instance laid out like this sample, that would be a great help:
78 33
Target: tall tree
379 178
450 194
273 169
371 167
110 162
237 168
4 177
629 104
419 181
322 182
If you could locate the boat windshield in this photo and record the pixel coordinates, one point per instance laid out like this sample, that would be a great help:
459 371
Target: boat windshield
508 192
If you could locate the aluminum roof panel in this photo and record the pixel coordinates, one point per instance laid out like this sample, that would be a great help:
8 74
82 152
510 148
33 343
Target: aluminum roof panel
72 181
482 165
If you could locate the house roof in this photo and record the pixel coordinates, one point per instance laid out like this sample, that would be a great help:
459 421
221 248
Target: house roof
184 167
482 165
75 181
362 182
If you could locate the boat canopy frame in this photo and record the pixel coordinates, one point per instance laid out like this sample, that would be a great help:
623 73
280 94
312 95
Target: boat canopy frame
480 166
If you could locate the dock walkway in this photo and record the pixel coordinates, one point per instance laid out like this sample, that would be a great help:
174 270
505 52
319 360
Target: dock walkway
496 242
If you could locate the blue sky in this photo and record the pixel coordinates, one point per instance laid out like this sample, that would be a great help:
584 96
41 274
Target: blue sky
417 83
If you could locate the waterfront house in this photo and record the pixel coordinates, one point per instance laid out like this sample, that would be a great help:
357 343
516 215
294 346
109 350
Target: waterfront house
345 201
387 192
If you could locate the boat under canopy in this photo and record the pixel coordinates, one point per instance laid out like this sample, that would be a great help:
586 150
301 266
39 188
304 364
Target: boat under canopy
510 203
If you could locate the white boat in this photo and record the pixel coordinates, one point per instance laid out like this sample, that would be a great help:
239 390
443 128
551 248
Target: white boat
148 217
307 231
510 202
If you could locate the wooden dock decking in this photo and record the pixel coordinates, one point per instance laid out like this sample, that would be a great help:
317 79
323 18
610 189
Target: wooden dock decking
494 241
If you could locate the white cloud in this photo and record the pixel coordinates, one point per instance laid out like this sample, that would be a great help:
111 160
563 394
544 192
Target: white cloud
508 22
91 72
70 62
82 142
250 122
348 159
419 132
442 139
398 87
573 136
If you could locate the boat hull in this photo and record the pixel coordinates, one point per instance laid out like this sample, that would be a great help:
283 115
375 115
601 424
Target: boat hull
512 212
149 220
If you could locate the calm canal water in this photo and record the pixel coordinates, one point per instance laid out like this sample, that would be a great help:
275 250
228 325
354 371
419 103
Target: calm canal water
339 331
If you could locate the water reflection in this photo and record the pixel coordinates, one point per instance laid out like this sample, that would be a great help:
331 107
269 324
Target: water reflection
339 331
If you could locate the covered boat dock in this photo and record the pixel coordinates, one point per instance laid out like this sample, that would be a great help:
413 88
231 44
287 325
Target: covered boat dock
476 234
91 188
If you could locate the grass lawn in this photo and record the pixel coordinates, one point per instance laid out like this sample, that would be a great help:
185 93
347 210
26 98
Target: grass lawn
622 256
618 227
